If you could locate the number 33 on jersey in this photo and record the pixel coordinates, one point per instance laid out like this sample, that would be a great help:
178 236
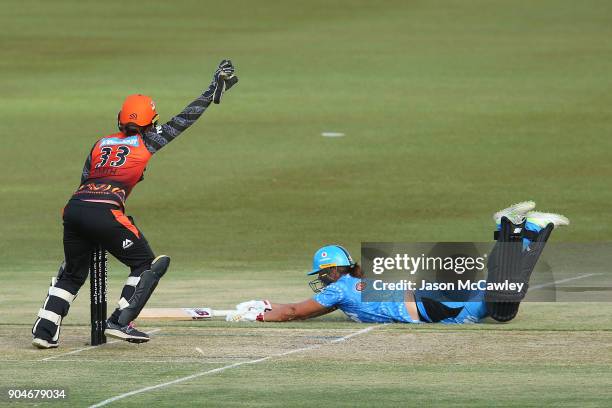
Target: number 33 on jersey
119 159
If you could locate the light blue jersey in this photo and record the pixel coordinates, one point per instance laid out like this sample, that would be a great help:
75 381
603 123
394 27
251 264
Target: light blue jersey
345 294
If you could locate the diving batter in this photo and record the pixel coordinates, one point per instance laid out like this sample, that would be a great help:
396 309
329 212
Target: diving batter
95 214
521 234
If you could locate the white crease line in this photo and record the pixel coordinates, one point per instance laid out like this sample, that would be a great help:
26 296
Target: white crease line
544 285
76 351
88 348
160 361
227 367
357 333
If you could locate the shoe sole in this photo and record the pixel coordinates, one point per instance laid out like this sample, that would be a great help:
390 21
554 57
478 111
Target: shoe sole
549 218
118 334
43 344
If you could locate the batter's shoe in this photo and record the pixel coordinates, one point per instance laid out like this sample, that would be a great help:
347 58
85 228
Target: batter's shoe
44 344
128 333
515 213
542 219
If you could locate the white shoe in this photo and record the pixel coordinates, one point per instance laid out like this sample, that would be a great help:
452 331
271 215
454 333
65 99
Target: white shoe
542 219
44 344
515 213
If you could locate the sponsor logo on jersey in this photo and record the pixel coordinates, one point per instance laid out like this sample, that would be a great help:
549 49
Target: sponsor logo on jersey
127 243
103 171
112 141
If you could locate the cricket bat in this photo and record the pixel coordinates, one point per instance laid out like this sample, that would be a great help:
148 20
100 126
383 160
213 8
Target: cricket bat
184 313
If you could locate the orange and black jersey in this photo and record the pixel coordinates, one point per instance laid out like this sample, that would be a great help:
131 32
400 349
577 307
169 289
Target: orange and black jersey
117 162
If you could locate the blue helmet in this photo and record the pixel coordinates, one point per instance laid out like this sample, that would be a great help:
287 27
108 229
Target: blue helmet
328 256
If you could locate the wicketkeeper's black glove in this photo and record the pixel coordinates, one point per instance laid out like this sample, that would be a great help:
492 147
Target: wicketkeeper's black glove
223 79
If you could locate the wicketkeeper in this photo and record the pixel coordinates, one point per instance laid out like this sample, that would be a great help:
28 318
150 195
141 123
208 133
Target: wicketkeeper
95 214
521 235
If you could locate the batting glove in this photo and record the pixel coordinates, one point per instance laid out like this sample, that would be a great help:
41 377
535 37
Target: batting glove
223 79
254 305
245 316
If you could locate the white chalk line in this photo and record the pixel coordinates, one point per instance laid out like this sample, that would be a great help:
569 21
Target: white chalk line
544 285
76 351
228 367
259 360
194 361
88 348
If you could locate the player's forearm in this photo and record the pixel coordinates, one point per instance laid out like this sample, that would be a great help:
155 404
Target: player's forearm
164 134
263 310
281 313
223 79
294 311
189 115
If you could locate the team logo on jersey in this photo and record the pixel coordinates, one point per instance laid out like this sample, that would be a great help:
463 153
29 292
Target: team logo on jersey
359 286
112 141
127 243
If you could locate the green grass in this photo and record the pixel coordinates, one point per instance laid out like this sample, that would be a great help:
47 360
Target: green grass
523 363
451 110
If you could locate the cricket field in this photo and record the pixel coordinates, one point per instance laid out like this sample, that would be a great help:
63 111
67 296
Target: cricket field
450 110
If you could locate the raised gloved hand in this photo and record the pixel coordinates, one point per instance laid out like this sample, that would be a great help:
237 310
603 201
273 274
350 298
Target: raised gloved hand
245 316
223 79
257 305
